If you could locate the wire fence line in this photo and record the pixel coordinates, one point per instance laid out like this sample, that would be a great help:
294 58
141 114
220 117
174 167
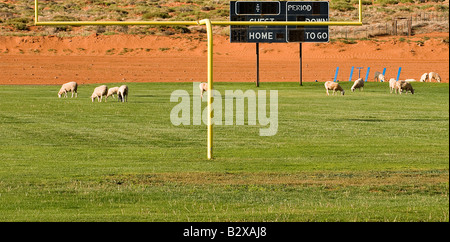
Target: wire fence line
400 26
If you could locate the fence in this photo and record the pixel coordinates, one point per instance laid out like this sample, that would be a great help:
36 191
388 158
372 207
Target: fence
402 26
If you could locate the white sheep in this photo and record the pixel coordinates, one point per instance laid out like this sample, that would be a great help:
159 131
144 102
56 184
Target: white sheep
424 77
112 91
329 85
434 75
404 86
122 93
359 83
203 88
410 80
377 73
68 87
380 77
99 92
393 85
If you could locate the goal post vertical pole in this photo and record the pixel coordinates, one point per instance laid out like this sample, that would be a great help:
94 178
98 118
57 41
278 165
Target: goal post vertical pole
360 11
207 22
36 11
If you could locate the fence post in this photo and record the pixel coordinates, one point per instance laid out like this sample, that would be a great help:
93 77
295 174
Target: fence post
367 74
335 75
398 74
351 74
410 26
394 27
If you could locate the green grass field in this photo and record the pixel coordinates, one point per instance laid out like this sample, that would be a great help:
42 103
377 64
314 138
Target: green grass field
365 156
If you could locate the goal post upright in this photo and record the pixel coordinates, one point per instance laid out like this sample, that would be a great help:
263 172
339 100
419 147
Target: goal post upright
207 22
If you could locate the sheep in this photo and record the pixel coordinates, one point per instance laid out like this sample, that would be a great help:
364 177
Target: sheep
329 85
99 92
398 86
380 77
410 80
424 77
359 83
112 91
203 88
393 85
376 76
68 87
122 93
404 86
434 75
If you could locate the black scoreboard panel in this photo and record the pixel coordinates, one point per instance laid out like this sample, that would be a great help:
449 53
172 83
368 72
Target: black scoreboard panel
257 8
278 11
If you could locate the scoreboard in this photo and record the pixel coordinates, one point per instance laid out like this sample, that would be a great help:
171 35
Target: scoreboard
279 11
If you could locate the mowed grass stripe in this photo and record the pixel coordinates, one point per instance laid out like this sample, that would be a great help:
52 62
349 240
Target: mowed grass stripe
375 179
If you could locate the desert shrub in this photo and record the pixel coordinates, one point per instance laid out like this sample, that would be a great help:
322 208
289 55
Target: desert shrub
445 41
391 2
6 6
181 29
153 15
200 14
100 29
100 2
207 8
405 9
18 23
185 9
119 10
348 41
441 8
342 6
386 10
221 12
63 18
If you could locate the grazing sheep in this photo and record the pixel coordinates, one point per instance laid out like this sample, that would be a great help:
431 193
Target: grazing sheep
393 85
398 86
380 77
434 75
99 92
68 87
122 93
203 88
329 85
375 78
359 83
404 86
112 91
424 77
